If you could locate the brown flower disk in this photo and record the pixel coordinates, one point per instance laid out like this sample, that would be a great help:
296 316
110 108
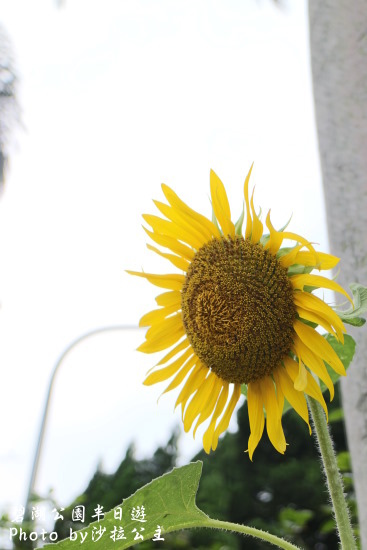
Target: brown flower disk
238 310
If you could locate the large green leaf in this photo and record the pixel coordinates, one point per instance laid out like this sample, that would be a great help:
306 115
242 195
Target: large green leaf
168 504
168 501
352 315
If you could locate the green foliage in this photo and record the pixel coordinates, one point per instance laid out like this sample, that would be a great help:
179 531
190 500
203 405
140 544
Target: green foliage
294 520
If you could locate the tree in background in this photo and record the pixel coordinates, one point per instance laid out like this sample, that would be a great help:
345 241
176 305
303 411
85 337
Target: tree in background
9 108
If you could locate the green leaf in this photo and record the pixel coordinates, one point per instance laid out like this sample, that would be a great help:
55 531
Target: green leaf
336 415
352 315
328 526
169 501
344 351
344 462
295 518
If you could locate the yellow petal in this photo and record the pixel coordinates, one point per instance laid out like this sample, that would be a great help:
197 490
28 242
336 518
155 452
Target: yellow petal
280 397
299 281
314 363
301 380
199 400
167 299
208 435
275 238
162 341
325 261
181 346
295 398
305 242
248 230
175 201
172 281
273 416
171 243
156 316
210 404
191 385
312 388
289 259
224 421
315 318
185 369
170 229
168 371
256 415
257 226
166 326
177 261
220 205
180 221
319 345
312 303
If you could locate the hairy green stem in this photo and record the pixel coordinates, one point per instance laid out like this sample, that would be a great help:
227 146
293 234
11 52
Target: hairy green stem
333 477
243 530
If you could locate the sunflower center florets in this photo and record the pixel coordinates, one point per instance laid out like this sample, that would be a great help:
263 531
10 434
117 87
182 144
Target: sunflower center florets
238 310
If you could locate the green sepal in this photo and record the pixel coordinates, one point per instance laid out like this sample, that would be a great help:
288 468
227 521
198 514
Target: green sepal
352 315
286 224
239 222
298 269
215 221
285 250
264 239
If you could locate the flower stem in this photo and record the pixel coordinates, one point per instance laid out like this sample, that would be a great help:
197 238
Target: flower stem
245 530
333 477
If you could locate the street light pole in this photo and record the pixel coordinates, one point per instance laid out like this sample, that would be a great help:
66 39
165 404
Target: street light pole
67 350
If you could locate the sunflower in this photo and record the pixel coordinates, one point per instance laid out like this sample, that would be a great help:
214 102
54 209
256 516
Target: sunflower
241 313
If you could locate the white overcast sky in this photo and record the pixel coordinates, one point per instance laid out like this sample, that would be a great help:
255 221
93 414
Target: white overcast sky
118 96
